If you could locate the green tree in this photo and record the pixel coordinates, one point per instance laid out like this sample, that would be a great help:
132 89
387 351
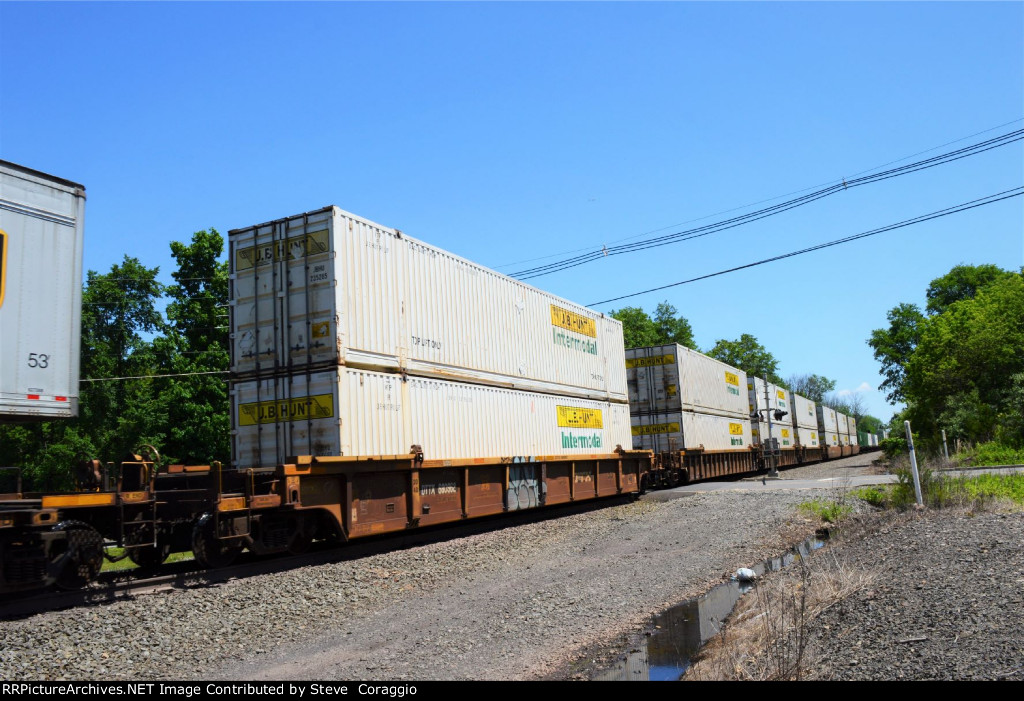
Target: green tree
195 351
672 327
960 283
640 330
119 408
869 424
963 366
894 346
813 387
747 354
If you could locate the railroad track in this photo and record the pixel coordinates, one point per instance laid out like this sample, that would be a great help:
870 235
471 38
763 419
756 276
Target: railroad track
111 587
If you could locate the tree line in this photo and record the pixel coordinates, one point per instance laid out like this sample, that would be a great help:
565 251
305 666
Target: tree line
958 364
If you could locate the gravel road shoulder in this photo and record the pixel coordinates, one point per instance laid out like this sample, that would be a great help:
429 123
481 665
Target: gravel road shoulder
947 602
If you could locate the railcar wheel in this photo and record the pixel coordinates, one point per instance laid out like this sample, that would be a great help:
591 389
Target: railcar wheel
81 555
301 536
210 551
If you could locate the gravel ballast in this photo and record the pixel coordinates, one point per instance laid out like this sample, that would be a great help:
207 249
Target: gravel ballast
947 602
514 603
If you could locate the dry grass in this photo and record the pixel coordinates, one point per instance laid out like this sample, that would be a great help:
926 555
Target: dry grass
766 636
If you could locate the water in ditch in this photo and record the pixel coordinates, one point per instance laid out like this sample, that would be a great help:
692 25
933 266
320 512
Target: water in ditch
679 632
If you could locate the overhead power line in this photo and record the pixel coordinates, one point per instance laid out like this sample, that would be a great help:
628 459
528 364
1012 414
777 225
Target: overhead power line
716 227
991 199
151 377
767 199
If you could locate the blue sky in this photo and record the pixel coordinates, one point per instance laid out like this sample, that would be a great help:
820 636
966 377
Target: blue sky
509 131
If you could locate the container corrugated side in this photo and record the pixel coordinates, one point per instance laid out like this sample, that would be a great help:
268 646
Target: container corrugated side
41 220
676 378
807 437
331 288
344 411
777 399
828 426
804 412
687 430
784 433
843 428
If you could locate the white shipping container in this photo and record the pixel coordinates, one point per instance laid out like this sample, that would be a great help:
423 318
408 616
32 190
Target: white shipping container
828 426
687 430
804 412
778 398
843 428
41 236
330 288
676 378
807 437
783 433
344 411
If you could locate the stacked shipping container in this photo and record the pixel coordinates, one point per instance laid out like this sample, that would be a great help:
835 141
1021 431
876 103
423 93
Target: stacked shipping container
763 402
805 422
683 400
349 338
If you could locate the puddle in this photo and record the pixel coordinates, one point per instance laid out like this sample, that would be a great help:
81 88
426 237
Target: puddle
680 631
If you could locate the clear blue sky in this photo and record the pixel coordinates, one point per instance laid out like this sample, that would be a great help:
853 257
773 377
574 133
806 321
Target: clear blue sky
504 132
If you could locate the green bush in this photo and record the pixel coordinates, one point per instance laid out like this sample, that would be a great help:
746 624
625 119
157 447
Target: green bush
992 454
876 496
894 446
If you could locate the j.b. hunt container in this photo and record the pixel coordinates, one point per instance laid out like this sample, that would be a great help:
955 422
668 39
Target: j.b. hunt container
804 414
329 288
828 429
350 412
686 430
674 378
762 401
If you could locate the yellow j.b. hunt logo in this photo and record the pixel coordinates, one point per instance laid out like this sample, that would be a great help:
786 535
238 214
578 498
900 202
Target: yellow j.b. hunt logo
578 417
650 361
320 406
292 248
653 429
736 429
571 321
732 379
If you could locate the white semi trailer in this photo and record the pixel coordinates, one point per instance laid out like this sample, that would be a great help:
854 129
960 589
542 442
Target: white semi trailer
41 219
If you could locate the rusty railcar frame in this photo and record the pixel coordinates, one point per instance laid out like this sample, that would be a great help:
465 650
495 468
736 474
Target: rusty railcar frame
359 496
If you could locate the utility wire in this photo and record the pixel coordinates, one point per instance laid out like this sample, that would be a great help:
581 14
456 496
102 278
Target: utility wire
768 199
991 199
150 377
708 229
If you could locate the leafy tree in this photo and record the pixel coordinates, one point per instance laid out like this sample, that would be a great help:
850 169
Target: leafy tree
748 355
960 283
869 423
195 349
814 387
672 328
966 358
119 310
893 347
640 330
